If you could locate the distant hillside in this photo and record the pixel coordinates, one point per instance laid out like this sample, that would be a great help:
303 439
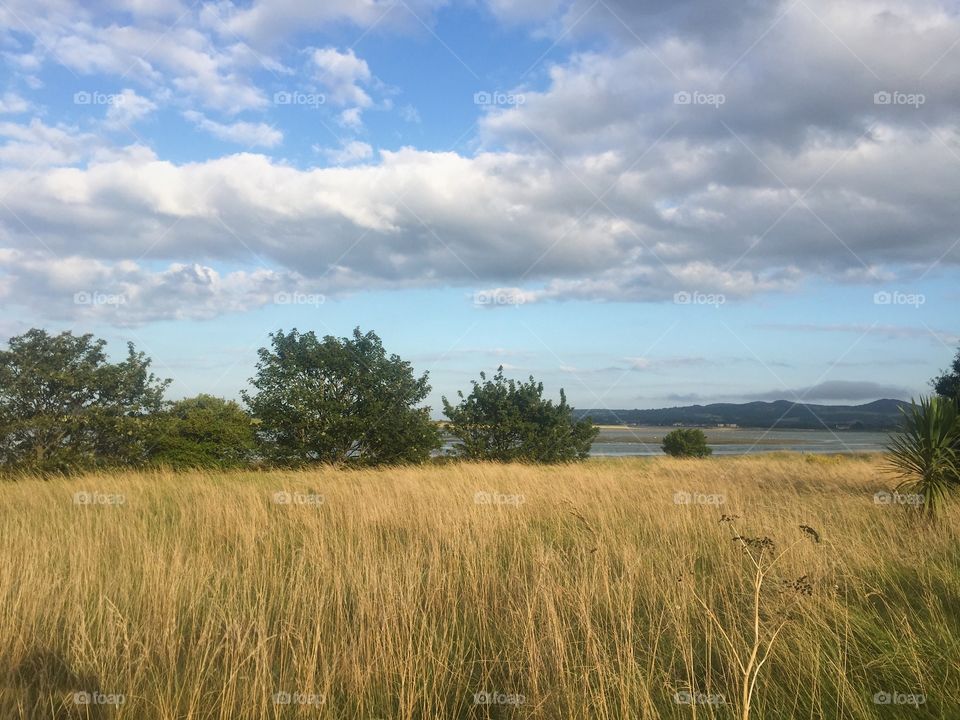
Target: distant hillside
877 415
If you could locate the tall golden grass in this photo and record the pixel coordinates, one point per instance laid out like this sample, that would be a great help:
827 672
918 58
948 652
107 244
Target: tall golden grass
478 590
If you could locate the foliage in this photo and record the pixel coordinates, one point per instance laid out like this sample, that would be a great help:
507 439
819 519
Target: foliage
926 455
504 420
64 407
203 431
947 385
686 442
337 400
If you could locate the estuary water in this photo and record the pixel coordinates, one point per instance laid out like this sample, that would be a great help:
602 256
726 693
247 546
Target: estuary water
622 441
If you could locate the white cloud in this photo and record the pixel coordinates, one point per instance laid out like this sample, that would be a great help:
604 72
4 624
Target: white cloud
351 118
600 186
266 22
125 293
36 144
528 219
127 109
242 133
349 152
343 74
12 104
151 50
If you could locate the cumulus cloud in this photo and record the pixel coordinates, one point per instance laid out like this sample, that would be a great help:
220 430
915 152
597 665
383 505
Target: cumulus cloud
183 56
242 133
127 108
739 162
35 145
349 152
126 293
345 77
343 73
12 103
266 22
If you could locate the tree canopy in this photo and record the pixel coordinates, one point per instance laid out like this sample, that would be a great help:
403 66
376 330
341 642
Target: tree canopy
947 384
339 400
64 406
505 420
202 431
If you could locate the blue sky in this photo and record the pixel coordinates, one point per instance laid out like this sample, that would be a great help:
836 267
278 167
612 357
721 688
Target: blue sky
646 203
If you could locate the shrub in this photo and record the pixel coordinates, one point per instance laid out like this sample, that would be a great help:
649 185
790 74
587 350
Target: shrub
505 420
204 431
926 455
686 442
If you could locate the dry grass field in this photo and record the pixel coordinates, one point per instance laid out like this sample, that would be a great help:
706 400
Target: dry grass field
608 589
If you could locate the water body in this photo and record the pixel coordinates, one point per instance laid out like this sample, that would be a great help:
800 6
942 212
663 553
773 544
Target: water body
622 441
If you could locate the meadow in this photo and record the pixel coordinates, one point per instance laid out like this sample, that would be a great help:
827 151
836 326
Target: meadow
613 588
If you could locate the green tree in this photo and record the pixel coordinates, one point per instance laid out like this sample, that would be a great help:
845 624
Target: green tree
65 407
686 442
339 400
504 420
947 385
203 431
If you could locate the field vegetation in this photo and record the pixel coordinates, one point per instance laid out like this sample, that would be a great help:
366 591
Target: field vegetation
622 588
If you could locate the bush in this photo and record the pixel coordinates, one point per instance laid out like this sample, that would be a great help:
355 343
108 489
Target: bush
504 420
926 455
686 442
204 431
339 400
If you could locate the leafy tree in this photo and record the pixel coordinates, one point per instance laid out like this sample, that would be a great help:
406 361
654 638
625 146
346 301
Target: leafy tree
203 431
64 407
504 420
926 455
947 385
337 400
686 442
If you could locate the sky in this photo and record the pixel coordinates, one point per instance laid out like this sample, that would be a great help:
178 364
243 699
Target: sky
648 203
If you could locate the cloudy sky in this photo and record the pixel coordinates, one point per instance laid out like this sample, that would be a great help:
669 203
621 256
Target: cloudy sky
647 202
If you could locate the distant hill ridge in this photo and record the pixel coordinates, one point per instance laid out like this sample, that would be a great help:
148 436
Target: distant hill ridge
876 415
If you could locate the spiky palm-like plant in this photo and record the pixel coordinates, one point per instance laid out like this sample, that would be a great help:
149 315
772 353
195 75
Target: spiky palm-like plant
926 455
